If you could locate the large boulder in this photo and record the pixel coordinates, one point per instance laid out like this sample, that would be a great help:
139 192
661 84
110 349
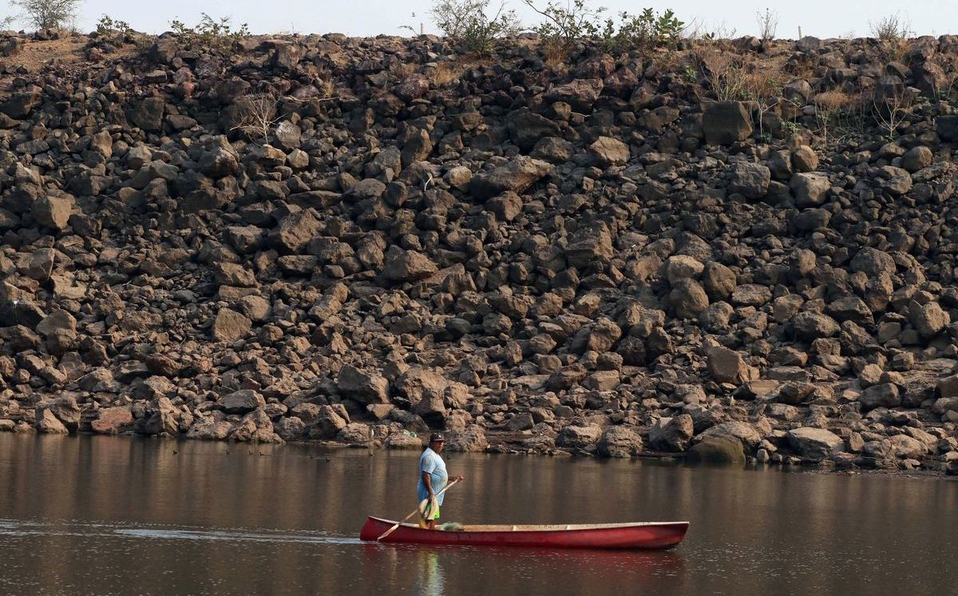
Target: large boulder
329 422
431 408
414 382
580 94
740 431
364 387
578 437
515 176
606 151
722 449
882 395
727 366
255 427
295 231
603 336
160 417
809 326
751 180
526 128
619 441
873 263
591 245
230 326
242 401
810 189
471 439
815 443
679 267
407 266
688 298
672 434
48 423
726 122
929 319
53 212
148 114
110 421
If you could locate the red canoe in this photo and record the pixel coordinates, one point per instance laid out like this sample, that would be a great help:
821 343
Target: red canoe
652 535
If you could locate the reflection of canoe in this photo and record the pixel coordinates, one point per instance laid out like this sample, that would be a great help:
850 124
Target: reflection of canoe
652 535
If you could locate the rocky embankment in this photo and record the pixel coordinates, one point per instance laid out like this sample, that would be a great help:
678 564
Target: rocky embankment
356 240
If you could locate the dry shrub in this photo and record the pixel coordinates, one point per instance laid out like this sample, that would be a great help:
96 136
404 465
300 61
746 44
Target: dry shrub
949 90
767 23
443 73
725 72
257 113
829 106
891 28
555 53
734 77
401 70
888 104
326 88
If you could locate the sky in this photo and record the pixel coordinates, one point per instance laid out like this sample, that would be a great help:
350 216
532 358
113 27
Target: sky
820 18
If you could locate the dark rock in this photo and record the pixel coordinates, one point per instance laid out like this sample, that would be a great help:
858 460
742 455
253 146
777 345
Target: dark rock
815 444
242 401
726 122
516 176
363 387
619 442
578 437
750 180
672 434
723 450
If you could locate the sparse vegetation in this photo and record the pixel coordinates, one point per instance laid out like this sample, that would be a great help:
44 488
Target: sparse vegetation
114 30
767 24
258 114
829 106
643 31
725 73
48 14
210 33
470 22
565 25
889 106
890 29
696 30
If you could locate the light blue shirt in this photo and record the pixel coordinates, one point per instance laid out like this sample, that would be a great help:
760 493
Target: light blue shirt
430 462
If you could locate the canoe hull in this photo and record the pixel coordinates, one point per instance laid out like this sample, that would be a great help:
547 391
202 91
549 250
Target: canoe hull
648 536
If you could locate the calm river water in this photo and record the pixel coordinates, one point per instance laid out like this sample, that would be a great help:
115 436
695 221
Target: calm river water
94 515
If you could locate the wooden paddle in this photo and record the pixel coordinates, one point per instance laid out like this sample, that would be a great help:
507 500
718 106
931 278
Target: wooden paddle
390 530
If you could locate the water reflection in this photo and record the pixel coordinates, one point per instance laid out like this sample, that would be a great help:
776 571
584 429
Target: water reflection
438 570
429 580
98 515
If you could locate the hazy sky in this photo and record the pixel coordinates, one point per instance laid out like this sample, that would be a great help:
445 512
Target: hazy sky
822 18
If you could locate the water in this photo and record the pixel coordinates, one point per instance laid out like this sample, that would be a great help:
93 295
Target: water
96 515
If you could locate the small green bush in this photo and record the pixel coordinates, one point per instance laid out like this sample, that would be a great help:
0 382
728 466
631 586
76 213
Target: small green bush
644 31
210 33
890 29
469 22
564 25
113 29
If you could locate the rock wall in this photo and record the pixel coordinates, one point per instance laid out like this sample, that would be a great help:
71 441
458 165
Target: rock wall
358 240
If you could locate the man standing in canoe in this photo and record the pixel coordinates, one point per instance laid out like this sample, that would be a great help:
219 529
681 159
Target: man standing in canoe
432 479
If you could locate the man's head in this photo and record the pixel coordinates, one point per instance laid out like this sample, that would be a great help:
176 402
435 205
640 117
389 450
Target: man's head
437 442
